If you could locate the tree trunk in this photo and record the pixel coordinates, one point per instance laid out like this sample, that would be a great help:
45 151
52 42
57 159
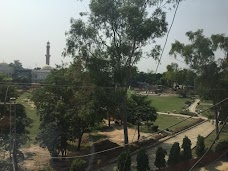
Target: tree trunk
216 123
109 119
125 120
79 143
138 131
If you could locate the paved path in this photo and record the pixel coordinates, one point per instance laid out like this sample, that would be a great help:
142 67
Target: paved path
203 129
192 107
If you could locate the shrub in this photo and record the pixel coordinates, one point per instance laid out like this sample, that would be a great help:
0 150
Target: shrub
124 162
149 124
188 102
187 151
78 165
142 160
200 146
155 128
160 158
174 155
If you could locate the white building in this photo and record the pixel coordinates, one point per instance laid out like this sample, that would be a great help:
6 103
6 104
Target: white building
37 75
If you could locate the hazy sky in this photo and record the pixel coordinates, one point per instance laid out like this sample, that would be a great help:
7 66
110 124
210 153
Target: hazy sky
26 26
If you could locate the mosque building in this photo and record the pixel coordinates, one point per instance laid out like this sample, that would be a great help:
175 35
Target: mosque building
36 75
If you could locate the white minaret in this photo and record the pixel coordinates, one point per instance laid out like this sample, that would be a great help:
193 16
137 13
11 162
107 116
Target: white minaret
48 54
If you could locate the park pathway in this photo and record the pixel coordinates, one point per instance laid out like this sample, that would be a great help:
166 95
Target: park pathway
203 129
192 107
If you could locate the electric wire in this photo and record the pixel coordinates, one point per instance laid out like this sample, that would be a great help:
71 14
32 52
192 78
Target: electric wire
145 137
87 155
159 60
210 146
218 158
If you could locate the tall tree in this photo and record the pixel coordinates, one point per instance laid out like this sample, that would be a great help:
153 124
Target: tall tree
200 146
174 155
124 162
187 151
139 109
16 64
117 31
66 111
160 158
200 55
142 161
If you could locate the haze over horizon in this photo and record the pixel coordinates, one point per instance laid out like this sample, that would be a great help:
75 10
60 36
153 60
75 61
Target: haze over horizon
27 25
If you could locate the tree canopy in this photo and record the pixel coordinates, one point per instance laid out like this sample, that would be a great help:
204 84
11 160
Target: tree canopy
116 32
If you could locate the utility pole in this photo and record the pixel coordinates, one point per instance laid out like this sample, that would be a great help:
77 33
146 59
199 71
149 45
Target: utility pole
13 133
217 123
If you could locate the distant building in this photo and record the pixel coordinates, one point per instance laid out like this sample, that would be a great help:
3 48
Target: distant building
36 75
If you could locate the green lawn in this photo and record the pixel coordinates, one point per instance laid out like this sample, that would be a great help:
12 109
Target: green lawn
203 106
168 103
164 121
32 114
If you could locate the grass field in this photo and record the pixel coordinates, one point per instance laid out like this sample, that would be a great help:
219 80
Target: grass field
168 103
203 106
32 114
164 121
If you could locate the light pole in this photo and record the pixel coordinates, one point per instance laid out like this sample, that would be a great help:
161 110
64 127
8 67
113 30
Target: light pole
13 132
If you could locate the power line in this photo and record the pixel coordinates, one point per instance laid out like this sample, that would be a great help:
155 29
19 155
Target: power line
210 146
38 85
81 156
159 61
144 137
217 158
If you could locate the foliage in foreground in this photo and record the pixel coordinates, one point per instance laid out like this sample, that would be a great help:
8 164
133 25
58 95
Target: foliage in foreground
174 155
142 161
78 165
124 162
200 146
187 151
160 161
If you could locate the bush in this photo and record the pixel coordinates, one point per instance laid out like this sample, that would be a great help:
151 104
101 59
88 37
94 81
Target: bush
174 155
154 128
187 151
142 160
200 146
124 162
78 165
188 102
149 124
160 161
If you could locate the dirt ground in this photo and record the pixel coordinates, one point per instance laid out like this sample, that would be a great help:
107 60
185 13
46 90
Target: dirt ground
117 135
35 158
